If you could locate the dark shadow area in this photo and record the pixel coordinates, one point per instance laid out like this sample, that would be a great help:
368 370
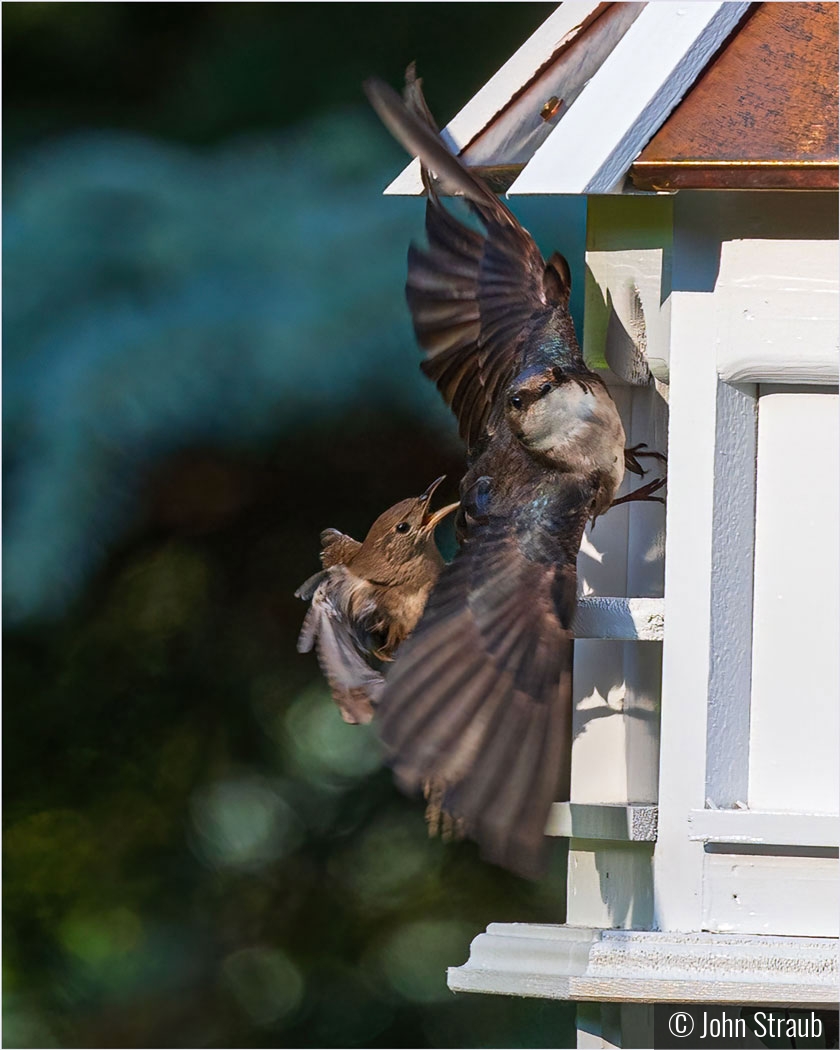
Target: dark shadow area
208 360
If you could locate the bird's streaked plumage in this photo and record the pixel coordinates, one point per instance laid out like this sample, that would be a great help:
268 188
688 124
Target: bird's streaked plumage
368 597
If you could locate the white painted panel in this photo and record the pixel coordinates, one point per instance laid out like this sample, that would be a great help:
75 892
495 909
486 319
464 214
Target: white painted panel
796 671
779 311
775 895
628 99
610 884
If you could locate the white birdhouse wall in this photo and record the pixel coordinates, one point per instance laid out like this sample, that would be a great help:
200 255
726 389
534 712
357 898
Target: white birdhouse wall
702 288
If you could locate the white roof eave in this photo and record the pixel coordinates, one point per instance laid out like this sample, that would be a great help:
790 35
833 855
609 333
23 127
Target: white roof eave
619 110
560 27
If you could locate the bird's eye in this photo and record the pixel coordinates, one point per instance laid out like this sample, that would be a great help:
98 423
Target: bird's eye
403 526
516 402
545 389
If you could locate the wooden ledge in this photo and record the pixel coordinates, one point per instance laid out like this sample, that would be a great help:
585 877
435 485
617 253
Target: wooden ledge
634 966
613 823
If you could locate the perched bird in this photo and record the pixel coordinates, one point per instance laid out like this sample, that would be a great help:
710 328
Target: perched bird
368 598
476 709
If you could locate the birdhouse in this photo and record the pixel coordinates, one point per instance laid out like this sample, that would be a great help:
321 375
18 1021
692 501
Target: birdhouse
703 827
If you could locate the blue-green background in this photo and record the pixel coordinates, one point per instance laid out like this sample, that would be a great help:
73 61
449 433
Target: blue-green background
207 360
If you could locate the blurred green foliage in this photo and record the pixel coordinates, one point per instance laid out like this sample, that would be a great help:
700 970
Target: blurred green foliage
208 360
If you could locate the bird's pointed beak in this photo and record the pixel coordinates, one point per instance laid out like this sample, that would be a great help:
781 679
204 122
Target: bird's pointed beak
434 519
430 491
430 521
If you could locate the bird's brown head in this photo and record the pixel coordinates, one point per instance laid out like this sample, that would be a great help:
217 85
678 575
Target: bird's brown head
401 539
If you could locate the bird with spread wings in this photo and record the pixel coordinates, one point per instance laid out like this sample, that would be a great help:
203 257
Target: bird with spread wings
476 710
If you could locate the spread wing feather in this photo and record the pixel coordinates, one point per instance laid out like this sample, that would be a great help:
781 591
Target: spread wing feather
355 685
477 705
473 295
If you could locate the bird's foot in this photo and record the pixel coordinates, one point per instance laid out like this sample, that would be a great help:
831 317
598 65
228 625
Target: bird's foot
438 821
645 494
637 452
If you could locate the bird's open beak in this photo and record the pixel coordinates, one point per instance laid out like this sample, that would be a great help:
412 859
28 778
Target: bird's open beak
430 491
430 521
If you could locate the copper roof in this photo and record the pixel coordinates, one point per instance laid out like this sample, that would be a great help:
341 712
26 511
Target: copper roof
763 114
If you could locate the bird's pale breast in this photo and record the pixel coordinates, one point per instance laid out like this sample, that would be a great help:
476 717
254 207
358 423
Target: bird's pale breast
578 429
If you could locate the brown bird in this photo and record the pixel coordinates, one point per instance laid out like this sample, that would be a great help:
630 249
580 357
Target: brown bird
368 598
476 710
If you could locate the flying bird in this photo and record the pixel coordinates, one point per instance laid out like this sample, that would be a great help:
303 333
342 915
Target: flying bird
368 598
476 709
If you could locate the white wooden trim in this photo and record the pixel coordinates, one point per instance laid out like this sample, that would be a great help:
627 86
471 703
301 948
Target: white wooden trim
757 827
730 643
560 27
778 307
581 963
628 99
611 823
624 619
626 293
678 862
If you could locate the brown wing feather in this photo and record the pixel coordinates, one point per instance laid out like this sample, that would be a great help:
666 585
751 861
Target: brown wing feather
337 548
473 295
478 701
355 685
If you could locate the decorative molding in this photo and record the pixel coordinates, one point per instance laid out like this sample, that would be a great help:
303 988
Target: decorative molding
582 963
609 822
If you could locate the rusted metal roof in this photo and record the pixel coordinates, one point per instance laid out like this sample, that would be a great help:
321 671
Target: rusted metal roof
763 114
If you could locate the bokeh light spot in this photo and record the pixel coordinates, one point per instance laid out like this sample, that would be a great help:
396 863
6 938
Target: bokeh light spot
385 866
96 938
265 983
324 749
414 959
244 823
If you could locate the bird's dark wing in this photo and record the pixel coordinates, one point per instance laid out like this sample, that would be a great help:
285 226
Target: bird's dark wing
356 686
473 296
477 705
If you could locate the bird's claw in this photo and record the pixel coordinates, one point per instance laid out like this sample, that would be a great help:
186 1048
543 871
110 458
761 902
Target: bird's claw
633 454
645 494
